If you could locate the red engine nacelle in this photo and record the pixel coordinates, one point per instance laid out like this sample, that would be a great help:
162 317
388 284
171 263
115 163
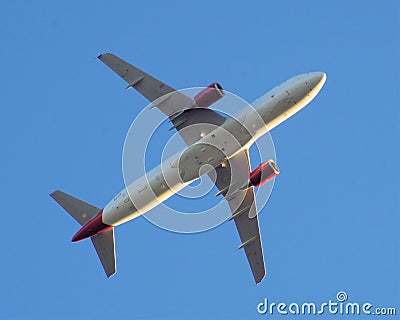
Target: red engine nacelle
265 172
209 95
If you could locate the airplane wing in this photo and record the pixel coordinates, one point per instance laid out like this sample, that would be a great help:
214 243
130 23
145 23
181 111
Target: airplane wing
192 123
178 107
243 206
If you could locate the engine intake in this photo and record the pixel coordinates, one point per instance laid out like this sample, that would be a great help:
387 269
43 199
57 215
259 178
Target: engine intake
265 172
209 95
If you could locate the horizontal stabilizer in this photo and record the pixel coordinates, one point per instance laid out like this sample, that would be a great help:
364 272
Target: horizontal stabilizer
83 212
105 248
78 209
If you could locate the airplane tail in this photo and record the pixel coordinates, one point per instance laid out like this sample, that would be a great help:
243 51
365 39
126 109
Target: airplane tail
83 212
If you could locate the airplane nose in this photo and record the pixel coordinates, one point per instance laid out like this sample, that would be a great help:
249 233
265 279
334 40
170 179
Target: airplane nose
317 79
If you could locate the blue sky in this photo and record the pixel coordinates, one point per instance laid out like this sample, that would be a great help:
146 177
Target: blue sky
332 221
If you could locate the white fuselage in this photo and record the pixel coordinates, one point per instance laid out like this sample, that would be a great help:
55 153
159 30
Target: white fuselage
222 143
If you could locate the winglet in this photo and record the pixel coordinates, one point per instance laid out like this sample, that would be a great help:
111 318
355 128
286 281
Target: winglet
100 55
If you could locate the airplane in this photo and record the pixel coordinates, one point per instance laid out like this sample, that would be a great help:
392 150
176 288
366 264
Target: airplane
211 138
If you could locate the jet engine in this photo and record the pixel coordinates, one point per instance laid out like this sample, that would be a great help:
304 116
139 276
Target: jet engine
265 172
209 95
